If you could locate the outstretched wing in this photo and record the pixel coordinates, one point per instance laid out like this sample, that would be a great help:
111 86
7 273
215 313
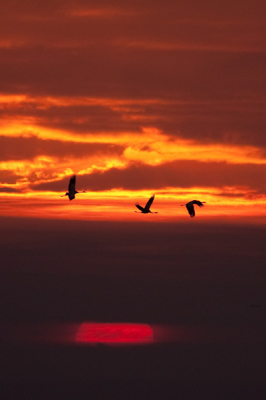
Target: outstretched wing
190 209
199 203
139 207
149 203
72 184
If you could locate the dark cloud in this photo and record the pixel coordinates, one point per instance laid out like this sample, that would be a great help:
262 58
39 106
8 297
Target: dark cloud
9 177
80 118
150 23
4 189
182 174
105 71
28 148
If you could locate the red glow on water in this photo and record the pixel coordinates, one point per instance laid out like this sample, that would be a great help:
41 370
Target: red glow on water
114 333
93 333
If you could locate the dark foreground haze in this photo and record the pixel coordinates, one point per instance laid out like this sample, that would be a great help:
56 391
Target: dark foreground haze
199 286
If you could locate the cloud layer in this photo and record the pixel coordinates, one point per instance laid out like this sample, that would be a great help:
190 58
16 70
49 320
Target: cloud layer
133 97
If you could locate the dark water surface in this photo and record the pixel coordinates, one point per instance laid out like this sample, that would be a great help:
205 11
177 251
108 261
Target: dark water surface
205 281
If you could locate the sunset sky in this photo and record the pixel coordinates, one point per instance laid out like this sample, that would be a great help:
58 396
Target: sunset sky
134 98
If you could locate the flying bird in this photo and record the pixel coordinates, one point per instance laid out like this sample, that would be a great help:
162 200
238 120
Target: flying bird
190 206
72 188
146 209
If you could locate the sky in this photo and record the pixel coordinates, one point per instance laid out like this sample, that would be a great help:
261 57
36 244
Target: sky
135 99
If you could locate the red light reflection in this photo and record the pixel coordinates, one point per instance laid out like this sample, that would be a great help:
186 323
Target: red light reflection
93 333
113 333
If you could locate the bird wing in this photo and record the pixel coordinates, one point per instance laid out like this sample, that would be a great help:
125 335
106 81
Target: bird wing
139 207
149 203
199 203
72 183
190 209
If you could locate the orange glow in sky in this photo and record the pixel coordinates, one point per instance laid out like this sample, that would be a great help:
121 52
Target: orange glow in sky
133 106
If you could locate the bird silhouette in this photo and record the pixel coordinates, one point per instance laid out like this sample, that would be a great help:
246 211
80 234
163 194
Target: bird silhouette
146 209
190 206
72 188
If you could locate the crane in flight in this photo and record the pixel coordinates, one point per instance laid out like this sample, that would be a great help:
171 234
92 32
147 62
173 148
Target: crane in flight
72 188
146 209
190 206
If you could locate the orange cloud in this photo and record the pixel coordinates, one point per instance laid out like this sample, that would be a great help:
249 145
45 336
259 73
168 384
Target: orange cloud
151 146
43 169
